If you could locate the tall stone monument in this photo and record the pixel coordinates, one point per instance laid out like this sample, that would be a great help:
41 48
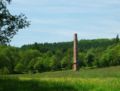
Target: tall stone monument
75 52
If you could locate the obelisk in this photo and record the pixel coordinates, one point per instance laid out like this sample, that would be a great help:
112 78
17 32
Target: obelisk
75 52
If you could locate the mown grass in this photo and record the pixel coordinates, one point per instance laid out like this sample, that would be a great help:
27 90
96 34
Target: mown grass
104 79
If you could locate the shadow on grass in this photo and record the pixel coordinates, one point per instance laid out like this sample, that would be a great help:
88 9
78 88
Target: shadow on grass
32 85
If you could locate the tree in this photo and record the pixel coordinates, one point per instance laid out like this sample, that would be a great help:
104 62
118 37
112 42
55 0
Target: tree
19 68
4 70
8 57
10 24
111 57
66 62
117 38
67 59
81 59
27 56
39 65
53 63
90 58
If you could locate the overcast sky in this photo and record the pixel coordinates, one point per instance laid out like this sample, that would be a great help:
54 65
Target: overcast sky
58 20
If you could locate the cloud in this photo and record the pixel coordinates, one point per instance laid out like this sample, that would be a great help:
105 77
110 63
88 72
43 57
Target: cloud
65 6
62 18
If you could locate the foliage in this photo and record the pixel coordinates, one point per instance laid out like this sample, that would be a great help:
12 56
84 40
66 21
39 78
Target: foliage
10 24
36 57
90 58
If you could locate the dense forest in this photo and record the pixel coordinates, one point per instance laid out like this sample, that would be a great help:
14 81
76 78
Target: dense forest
34 58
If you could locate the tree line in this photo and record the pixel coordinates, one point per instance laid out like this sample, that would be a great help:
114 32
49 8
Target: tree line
37 57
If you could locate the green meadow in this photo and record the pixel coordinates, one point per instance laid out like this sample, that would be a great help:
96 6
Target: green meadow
86 79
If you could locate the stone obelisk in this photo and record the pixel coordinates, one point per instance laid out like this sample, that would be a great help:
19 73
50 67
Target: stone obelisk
75 52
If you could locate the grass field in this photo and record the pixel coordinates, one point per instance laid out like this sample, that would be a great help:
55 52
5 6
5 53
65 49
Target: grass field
103 79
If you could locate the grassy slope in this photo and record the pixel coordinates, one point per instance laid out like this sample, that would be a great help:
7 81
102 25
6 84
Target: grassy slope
82 73
104 79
